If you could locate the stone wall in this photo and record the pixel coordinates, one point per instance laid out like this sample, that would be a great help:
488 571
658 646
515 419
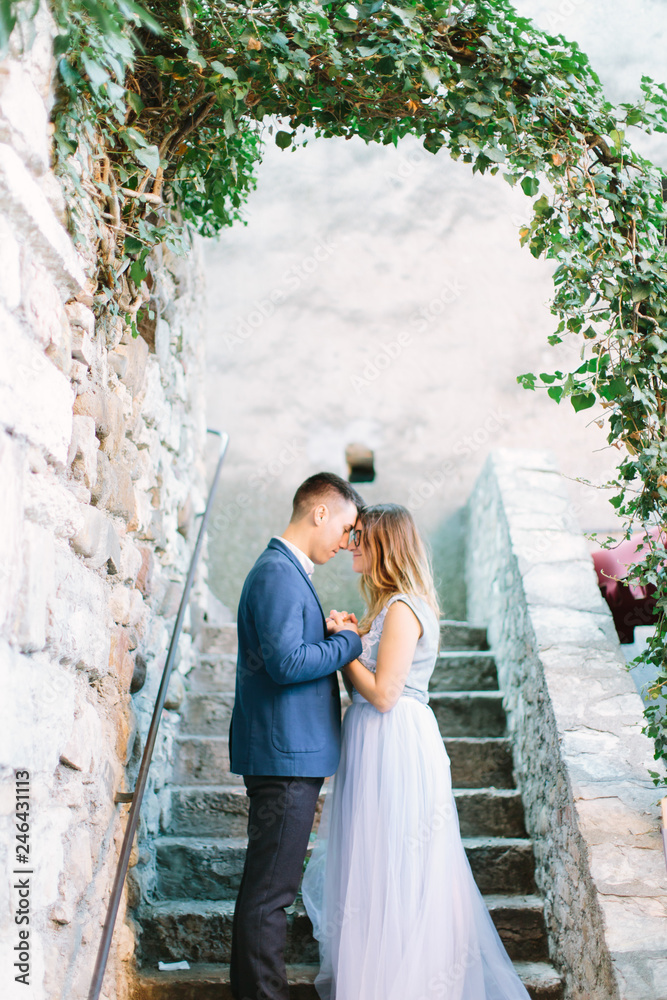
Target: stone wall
102 446
575 716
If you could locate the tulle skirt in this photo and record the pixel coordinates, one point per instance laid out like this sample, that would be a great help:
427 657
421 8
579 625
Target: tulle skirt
388 887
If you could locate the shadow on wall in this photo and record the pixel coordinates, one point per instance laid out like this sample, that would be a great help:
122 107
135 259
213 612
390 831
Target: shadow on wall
448 550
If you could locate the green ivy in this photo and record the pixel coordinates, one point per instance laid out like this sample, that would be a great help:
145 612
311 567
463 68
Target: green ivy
173 96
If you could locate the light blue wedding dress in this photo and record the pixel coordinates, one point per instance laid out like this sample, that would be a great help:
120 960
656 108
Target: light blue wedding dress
388 887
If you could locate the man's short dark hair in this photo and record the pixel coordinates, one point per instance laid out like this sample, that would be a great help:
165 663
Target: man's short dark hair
321 486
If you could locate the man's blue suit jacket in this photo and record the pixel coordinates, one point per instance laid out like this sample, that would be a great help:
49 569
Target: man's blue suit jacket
287 715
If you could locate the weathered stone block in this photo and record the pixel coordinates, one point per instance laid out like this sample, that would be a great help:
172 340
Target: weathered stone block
97 539
114 490
568 584
29 210
42 304
44 693
35 398
78 752
82 454
145 574
118 363
121 663
175 693
78 374
36 588
154 407
126 605
81 318
108 411
83 349
60 350
130 561
135 352
23 116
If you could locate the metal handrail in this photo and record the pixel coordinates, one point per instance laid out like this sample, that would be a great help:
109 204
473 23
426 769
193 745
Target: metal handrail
136 796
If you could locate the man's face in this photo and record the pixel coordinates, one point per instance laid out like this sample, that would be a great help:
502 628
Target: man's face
333 530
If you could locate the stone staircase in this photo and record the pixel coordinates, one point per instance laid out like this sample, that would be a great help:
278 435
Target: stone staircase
200 856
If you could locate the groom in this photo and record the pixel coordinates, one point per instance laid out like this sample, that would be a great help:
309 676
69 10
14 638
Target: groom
285 731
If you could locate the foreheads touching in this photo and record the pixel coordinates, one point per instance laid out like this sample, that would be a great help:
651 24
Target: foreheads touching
324 511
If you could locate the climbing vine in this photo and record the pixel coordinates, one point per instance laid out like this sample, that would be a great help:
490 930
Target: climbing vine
173 98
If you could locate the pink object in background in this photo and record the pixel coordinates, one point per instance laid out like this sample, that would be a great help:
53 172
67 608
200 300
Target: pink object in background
630 604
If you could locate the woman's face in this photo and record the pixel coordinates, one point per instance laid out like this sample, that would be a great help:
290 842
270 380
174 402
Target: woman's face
358 550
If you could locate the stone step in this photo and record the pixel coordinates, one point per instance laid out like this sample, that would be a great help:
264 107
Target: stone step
214 641
202 931
464 670
476 761
217 674
211 867
469 713
480 762
461 635
211 982
490 812
455 670
207 714
218 645
217 640
222 811
203 760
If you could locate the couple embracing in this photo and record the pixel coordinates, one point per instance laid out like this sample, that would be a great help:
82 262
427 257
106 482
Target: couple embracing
388 887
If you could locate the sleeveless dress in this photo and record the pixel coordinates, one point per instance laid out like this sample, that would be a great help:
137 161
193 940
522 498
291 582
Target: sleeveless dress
388 887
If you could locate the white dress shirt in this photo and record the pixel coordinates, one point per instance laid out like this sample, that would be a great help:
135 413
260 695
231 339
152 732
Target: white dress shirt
307 563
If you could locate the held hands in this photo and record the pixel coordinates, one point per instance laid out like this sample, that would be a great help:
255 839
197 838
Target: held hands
339 620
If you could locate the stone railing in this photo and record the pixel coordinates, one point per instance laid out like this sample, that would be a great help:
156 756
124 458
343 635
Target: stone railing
575 717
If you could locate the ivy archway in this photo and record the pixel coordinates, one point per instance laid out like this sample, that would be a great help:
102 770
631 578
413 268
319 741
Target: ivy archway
169 98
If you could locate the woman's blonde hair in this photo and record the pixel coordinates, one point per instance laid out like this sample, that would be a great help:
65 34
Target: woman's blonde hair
399 562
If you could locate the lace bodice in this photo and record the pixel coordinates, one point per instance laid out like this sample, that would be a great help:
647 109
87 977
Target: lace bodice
425 653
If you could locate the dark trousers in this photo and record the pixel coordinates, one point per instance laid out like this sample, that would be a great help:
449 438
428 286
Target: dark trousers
280 818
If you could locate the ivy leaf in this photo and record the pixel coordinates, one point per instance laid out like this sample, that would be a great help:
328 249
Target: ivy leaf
582 400
640 292
346 24
133 139
480 110
283 139
134 101
556 392
133 245
227 71
97 75
149 157
494 154
530 186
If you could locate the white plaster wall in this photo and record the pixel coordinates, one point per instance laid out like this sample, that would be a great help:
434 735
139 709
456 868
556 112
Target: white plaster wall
369 245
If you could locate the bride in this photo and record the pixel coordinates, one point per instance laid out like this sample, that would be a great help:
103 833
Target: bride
388 888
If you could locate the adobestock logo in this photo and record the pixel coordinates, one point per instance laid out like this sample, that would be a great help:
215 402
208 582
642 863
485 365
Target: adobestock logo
291 281
466 445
